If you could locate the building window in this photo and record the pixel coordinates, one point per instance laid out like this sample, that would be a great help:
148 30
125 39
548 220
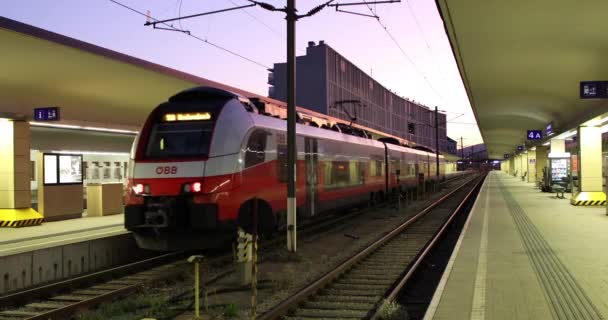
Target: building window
411 128
343 66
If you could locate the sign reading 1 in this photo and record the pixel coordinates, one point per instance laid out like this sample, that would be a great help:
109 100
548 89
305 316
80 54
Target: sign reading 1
535 134
46 114
594 89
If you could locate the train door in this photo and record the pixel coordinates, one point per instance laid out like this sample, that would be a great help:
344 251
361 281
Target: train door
311 159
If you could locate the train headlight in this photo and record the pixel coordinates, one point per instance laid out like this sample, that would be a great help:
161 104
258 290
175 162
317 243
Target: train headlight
138 188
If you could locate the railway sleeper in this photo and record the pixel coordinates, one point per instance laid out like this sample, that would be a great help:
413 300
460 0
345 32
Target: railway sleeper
90 292
319 313
18 313
350 286
346 299
337 305
365 281
320 318
396 254
388 260
418 234
125 282
364 293
385 265
374 274
108 286
69 298
46 305
410 248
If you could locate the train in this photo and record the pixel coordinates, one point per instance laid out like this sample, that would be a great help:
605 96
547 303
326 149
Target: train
204 155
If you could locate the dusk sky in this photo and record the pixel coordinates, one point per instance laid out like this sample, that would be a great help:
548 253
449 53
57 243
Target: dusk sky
260 35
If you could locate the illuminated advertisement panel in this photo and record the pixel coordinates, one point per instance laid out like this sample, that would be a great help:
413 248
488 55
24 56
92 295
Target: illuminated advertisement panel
70 168
50 169
62 169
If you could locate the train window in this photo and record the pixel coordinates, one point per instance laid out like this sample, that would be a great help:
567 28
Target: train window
341 173
377 168
256 146
180 139
327 173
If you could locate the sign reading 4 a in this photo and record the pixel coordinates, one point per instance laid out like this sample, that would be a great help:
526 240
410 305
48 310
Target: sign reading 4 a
535 134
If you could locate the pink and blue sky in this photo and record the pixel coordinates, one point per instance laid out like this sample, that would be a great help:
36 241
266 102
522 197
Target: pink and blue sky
260 35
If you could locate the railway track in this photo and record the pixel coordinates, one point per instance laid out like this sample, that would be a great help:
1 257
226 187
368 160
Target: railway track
358 286
62 299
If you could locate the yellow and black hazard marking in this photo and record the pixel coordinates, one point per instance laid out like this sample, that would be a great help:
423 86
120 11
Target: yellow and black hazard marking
590 203
20 223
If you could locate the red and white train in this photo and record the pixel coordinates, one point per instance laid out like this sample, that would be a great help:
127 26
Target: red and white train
203 155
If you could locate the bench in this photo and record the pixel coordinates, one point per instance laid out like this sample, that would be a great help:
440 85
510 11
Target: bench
558 190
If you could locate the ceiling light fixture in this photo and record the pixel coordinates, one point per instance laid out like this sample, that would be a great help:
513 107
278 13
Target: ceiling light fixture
84 128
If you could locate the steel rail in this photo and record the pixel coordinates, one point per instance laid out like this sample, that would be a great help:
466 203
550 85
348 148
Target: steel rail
284 307
414 267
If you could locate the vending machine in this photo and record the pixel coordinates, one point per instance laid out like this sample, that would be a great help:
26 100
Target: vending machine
559 169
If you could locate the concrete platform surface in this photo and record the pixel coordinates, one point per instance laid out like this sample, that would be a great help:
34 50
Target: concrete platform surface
50 234
525 254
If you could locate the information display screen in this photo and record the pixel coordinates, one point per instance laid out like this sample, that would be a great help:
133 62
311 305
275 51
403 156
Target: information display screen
559 169
62 169
50 169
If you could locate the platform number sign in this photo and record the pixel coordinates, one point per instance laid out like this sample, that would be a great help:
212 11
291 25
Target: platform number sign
549 129
594 89
535 134
46 114
506 155
520 148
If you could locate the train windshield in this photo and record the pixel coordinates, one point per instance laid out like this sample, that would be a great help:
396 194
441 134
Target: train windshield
179 139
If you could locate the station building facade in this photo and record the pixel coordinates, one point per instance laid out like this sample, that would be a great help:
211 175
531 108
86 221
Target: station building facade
324 79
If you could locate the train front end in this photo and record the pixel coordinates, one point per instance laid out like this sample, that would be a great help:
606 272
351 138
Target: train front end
182 173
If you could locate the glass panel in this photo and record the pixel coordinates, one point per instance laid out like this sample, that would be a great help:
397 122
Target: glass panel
70 169
50 169
180 139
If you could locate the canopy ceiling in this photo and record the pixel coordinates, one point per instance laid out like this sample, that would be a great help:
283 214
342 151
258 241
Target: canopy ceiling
521 63
89 83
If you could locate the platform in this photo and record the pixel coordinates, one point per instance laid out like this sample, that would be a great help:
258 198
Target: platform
524 254
51 234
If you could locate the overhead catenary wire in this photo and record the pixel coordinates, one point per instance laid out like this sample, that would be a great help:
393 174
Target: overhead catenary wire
407 57
194 36
428 46
271 29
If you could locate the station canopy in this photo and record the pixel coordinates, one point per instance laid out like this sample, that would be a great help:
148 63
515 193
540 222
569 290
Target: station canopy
92 85
521 63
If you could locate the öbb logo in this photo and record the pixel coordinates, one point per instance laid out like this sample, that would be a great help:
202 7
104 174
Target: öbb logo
166 170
